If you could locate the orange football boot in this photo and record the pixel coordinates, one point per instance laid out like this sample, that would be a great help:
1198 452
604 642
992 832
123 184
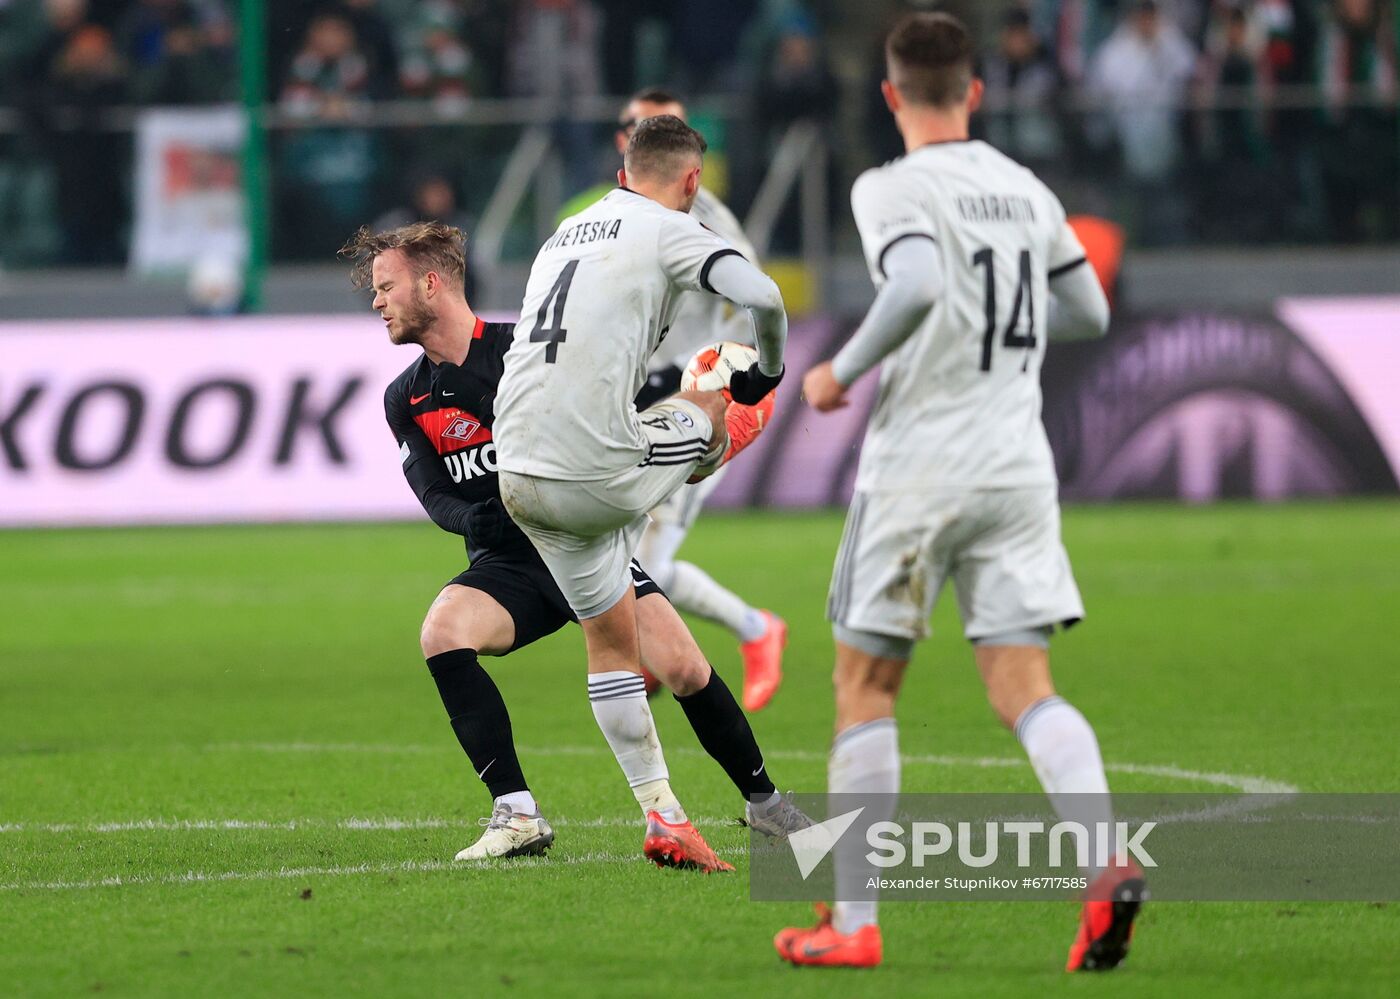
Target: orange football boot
742 425
679 845
822 946
763 663
745 423
1111 903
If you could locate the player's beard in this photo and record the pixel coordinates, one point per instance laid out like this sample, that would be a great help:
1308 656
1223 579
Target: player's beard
414 319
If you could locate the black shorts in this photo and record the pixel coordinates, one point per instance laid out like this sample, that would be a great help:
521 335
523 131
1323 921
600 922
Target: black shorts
524 587
659 385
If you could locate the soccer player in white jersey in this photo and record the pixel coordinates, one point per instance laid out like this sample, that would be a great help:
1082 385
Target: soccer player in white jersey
976 269
580 468
702 319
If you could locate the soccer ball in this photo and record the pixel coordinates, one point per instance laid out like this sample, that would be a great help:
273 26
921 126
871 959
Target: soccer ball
712 367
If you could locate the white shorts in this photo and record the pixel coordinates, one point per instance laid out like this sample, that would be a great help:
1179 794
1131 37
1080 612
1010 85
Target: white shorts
684 505
1001 547
588 530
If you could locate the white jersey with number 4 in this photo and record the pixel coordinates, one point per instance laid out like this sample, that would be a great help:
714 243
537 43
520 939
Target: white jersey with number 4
959 401
602 294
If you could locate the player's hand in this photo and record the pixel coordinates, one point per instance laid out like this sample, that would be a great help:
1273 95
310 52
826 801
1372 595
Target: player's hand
822 391
748 387
488 523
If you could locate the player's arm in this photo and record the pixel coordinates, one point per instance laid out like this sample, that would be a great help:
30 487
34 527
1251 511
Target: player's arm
695 259
907 267
734 278
1078 305
433 486
913 269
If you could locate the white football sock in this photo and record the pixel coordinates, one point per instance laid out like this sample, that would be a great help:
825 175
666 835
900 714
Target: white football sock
619 700
694 591
521 802
864 760
1065 756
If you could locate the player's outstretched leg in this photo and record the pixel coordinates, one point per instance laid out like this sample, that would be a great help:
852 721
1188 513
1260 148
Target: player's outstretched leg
1064 752
461 620
670 651
762 635
617 694
864 760
742 426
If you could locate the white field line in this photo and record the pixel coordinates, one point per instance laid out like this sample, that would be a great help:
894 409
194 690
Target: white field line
353 824
1236 782
1239 782
297 873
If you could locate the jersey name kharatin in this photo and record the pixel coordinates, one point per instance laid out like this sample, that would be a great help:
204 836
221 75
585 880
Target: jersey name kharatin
959 401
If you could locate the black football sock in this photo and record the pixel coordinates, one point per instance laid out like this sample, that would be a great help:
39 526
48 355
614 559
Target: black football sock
723 729
479 717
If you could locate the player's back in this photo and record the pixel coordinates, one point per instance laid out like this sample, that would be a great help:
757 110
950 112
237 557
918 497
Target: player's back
960 401
597 303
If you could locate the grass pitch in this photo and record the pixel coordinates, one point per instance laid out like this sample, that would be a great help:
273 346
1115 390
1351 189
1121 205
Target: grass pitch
224 769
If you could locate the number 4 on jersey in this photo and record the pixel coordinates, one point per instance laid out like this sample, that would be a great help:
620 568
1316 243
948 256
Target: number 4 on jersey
1010 338
554 334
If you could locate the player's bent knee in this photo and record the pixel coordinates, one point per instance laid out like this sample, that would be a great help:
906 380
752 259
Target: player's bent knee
713 405
668 649
686 677
441 633
466 618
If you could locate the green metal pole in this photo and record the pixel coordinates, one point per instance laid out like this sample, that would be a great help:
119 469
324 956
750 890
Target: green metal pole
252 61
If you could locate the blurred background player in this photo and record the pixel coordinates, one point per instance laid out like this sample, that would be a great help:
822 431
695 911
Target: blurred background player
442 410
976 267
703 319
580 468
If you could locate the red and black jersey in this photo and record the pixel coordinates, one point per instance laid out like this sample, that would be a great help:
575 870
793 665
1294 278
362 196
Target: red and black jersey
442 414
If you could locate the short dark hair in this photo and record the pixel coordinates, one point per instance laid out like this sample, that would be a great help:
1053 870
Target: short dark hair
658 143
929 59
655 95
428 246
647 95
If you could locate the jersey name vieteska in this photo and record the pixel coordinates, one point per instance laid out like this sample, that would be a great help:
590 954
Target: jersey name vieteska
602 294
959 401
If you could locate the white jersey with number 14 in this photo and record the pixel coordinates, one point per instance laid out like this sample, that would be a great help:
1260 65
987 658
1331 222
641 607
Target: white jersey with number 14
959 402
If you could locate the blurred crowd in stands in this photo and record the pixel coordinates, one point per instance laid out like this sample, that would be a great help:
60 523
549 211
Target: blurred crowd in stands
1236 121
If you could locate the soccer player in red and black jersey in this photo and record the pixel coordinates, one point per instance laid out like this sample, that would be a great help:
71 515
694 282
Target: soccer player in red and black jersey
441 411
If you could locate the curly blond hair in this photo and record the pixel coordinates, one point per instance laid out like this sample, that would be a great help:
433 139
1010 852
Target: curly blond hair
429 246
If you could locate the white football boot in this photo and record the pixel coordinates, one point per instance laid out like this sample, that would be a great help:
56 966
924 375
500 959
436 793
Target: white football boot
778 820
510 834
